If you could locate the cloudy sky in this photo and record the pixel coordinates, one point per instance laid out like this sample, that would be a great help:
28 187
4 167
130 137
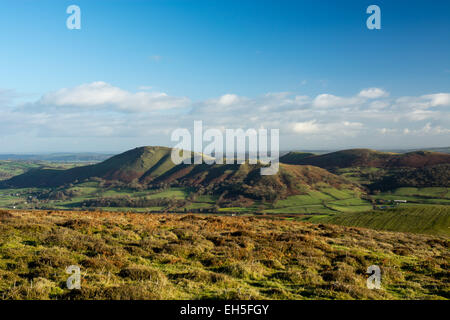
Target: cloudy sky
137 70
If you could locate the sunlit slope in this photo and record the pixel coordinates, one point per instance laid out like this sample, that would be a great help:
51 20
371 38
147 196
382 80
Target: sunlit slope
125 167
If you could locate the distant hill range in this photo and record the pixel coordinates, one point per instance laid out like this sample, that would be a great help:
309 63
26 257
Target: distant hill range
299 172
153 166
58 157
367 158
442 150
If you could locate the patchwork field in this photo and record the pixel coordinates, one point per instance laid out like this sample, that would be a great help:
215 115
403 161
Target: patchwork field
10 169
136 256
429 195
145 180
327 200
431 219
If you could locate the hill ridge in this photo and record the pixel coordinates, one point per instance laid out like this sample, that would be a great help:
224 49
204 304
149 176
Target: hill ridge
152 166
368 158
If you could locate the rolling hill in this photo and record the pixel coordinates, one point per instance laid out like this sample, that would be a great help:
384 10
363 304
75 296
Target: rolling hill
246 180
294 157
368 158
125 167
430 176
152 166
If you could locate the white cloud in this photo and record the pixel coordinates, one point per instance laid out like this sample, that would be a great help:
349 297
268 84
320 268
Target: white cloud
329 101
228 99
147 117
428 129
306 127
373 93
420 114
101 95
438 99
341 128
378 105
425 101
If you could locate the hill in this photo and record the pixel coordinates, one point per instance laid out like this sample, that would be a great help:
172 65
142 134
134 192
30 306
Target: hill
442 150
124 167
246 180
416 219
137 256
153 167
294 157
369 158
11 168
431 176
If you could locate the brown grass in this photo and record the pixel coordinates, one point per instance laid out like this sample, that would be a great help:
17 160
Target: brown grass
139 256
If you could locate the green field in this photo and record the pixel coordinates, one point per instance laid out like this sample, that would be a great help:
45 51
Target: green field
10 168
314 204
361 175
27 198
430 195
327 200
432 219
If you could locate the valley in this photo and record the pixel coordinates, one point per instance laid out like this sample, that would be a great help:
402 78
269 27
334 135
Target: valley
352 183
140 227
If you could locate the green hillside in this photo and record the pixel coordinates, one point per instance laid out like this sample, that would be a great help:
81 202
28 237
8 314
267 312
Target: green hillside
430 176
143 178
369 158
416 219
11 168
127 166
152 167
146 178
294 157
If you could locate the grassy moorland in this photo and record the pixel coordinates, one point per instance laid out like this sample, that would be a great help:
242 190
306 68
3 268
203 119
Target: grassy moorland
137 256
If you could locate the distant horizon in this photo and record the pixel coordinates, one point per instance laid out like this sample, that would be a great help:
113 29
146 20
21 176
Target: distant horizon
281 151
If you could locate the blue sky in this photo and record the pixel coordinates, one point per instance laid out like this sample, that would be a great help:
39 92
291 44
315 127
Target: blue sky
195 52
